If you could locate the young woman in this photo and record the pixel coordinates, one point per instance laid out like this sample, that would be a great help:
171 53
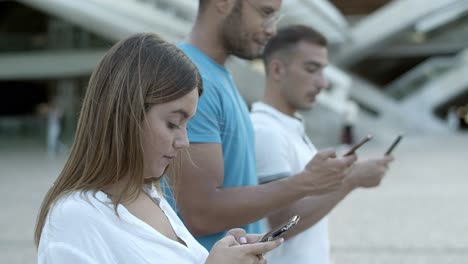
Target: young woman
106 205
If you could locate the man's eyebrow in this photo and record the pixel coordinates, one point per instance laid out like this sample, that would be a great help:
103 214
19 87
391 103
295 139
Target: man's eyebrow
182 112
268 8
315 63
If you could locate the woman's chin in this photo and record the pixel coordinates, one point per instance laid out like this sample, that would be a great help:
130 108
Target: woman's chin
155 176
152 178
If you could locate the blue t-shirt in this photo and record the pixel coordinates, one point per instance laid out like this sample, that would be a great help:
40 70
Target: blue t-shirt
223 117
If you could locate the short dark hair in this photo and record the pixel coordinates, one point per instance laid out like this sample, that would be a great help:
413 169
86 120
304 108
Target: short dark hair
290 36
202 5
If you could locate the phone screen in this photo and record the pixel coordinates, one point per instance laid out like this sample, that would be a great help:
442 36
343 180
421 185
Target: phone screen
280 230
358 145
394 144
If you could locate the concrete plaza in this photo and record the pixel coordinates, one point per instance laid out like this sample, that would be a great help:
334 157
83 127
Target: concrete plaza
418 215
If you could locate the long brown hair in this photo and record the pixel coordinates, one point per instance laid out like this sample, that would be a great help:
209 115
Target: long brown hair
135 74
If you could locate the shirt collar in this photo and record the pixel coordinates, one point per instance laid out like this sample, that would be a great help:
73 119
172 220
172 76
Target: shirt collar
202 56
295 122
149 189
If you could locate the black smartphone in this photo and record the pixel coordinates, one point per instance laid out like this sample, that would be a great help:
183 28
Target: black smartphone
394 144
280 230
358 145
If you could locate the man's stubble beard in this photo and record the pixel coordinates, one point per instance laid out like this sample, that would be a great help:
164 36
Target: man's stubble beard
234 41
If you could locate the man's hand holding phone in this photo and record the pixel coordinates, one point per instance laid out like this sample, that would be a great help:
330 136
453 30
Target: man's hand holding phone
325 172
368 173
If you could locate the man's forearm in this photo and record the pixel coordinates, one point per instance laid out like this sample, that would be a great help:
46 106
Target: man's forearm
234 207
311 209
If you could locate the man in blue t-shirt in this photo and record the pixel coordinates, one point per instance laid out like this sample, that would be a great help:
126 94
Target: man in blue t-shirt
218 189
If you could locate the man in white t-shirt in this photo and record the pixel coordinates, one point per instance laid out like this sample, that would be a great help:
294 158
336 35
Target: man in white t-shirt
294 60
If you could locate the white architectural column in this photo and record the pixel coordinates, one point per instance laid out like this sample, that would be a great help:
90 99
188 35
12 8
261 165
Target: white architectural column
374 30
114 20
438 91
48 65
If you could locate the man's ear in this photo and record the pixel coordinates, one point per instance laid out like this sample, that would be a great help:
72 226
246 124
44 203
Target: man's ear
224 7
276 69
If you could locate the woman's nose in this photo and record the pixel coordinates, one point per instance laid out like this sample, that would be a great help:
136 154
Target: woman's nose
181 140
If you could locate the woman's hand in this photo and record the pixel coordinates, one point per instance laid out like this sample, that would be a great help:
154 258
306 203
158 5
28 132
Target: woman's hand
242 237
238 247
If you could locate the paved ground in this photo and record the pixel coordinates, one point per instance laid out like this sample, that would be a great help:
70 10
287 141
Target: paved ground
418 215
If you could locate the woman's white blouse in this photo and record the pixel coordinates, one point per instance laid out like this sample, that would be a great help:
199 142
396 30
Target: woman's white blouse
83 228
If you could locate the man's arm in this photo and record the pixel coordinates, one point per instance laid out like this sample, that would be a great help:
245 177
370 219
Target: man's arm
207 207
312 209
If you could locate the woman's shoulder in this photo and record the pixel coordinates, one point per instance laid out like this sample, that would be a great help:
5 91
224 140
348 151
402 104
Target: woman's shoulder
77 216
75 226
79 209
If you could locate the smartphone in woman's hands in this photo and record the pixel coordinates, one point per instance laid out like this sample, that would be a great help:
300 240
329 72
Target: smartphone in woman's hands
280 230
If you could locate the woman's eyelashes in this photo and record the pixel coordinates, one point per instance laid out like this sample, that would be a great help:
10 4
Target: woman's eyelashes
171 125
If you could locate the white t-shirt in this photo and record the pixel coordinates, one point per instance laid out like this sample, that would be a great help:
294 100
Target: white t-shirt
283 149
82 228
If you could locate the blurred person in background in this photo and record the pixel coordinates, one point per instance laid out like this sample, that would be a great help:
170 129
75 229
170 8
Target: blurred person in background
219 187
53 114
54 127
294 60
106 205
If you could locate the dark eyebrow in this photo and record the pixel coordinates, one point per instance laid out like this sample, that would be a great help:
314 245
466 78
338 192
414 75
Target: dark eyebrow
182 112
268 9
315 63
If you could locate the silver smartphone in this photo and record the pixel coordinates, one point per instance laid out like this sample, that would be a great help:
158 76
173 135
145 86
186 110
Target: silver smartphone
280 230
